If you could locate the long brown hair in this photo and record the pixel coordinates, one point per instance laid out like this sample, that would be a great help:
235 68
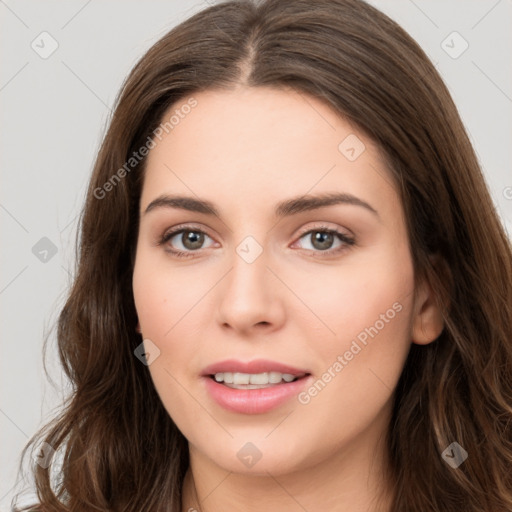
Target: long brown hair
119 449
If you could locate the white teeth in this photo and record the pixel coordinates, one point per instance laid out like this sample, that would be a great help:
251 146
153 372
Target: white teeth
274 377
254 378
258 378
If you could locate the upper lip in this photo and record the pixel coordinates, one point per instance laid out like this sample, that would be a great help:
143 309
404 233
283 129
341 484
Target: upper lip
253 367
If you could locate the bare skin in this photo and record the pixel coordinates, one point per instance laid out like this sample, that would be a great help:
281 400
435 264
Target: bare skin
302 302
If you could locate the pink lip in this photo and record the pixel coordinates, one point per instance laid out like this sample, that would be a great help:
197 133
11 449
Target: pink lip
254 401
255 366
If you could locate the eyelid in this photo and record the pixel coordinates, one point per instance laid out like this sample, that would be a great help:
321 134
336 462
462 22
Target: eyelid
323 226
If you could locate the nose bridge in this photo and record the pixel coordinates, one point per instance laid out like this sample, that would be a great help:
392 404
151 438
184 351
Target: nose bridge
247 296
250 250
249 270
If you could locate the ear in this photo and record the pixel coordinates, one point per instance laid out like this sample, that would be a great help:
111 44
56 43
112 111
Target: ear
427 321
137 328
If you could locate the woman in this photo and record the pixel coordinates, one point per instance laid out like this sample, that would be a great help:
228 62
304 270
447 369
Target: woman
293 290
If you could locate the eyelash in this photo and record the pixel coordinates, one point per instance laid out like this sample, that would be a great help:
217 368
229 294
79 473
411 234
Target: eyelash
347 241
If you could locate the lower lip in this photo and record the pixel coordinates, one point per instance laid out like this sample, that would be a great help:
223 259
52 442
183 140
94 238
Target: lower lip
254 401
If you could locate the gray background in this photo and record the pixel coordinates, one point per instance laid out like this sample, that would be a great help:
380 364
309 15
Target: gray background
53 115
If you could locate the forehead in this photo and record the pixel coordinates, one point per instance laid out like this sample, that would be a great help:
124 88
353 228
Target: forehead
260 120
251 146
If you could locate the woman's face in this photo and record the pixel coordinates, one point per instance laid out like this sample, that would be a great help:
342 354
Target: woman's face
267 278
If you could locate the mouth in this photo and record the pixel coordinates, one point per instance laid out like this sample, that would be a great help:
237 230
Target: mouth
254 393
255 374
238 380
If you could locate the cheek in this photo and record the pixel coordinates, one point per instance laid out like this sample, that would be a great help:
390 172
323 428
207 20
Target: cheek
365 308
347 300
162 295
170 304
162 300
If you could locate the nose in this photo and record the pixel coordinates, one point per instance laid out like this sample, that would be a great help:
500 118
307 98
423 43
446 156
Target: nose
251 297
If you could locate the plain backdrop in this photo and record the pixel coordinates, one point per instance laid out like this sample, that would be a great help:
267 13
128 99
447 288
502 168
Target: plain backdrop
54 109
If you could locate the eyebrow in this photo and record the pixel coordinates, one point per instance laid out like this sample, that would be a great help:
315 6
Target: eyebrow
283 209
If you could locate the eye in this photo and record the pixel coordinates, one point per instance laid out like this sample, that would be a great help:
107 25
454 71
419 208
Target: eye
190 239
323 239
